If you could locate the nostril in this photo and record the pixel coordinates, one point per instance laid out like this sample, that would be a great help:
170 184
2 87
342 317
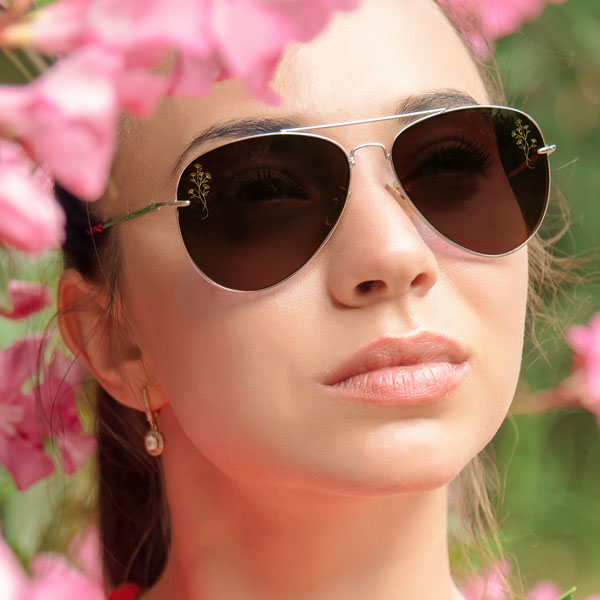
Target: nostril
419 280
367 286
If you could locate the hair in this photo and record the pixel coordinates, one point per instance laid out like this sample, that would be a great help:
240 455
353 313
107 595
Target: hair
131 495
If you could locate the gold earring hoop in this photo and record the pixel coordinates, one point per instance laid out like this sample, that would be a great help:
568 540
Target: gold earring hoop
154 440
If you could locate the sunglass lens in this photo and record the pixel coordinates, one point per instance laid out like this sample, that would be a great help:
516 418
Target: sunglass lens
475 175
261 207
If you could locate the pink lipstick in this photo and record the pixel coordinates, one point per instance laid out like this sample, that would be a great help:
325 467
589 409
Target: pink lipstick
404 371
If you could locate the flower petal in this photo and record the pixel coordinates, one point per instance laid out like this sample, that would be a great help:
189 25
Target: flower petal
585 341
32 220
25 460
28 297
18 363
12 575
68 118
544 590
54 579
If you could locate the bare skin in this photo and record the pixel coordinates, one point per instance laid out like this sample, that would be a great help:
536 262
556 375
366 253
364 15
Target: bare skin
276 491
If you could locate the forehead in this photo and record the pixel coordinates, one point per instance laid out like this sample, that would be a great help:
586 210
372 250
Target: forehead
372 58
363 66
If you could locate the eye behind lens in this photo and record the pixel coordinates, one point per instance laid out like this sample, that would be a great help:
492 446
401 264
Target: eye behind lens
475 177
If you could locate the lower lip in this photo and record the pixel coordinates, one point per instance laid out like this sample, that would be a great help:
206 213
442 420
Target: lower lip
408 385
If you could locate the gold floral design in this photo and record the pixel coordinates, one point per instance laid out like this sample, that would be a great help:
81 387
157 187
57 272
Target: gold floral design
200 192
521 135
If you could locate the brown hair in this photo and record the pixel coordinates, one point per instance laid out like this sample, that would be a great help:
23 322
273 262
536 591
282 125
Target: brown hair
133 513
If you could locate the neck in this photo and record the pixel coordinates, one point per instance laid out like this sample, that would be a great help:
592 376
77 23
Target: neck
230 540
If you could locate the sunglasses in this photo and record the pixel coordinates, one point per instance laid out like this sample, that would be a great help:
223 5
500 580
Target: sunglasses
254 211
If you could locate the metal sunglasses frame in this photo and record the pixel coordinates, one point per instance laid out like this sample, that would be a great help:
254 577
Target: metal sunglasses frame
407 204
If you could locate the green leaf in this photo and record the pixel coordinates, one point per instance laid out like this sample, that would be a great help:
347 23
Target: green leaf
5 299
568 595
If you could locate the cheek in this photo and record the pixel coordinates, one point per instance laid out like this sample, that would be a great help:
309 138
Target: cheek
493 293
223 360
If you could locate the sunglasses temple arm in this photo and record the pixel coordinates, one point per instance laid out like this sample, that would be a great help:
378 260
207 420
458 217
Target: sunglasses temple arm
100 227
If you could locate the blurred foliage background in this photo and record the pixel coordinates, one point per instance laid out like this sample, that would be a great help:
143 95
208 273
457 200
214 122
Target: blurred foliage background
550 463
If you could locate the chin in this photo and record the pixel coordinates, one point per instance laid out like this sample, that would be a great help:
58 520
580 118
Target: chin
390 472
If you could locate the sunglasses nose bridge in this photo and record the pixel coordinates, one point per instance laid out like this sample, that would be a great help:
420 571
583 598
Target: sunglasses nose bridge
396 190
352 158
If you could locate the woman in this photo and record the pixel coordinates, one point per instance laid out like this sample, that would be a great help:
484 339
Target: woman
312 425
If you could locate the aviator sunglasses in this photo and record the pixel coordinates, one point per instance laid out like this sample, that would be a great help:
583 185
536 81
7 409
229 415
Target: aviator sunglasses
254 211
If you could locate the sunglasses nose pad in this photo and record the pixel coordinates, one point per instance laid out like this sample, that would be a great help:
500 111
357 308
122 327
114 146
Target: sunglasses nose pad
398 193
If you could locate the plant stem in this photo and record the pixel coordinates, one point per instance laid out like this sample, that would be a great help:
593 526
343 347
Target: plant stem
36 60
18 63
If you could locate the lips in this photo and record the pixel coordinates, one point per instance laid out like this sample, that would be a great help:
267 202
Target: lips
404 370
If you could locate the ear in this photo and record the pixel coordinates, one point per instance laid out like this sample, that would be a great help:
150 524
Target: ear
98 339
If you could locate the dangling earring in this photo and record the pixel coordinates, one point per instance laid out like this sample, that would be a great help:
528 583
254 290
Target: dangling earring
154 440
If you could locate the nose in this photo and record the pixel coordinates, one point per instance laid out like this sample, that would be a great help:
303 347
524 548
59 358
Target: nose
377 252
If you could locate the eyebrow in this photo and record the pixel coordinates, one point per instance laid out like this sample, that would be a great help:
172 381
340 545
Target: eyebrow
240 128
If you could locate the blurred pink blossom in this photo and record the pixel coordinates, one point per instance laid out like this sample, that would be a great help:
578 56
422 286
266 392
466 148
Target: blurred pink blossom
489 585
86 555
502 17
544 590
68 117
27 297
13 579
52 578
62 378
211 39
23 456
24 428
548 590
32 220
496 18
585 341
142 30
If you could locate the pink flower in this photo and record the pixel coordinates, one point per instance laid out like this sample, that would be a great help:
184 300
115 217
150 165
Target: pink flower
24 429
27 297
585 341
68 118
12 575
502 17
212 39
548 590
544 590
248 38
22 455
86 555
30 218
52 579
142 30
489 584
496 18
62 379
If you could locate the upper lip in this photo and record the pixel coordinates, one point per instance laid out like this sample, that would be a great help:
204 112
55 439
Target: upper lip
399 351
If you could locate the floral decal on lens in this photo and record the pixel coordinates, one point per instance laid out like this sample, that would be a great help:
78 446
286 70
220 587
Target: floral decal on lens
200 192
521 135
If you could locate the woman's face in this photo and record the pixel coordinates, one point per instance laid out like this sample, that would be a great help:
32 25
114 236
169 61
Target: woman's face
243 374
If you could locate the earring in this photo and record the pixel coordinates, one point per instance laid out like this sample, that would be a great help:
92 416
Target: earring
154 440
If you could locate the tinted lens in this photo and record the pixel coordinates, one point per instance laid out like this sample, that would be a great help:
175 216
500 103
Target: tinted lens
475 176
261 207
